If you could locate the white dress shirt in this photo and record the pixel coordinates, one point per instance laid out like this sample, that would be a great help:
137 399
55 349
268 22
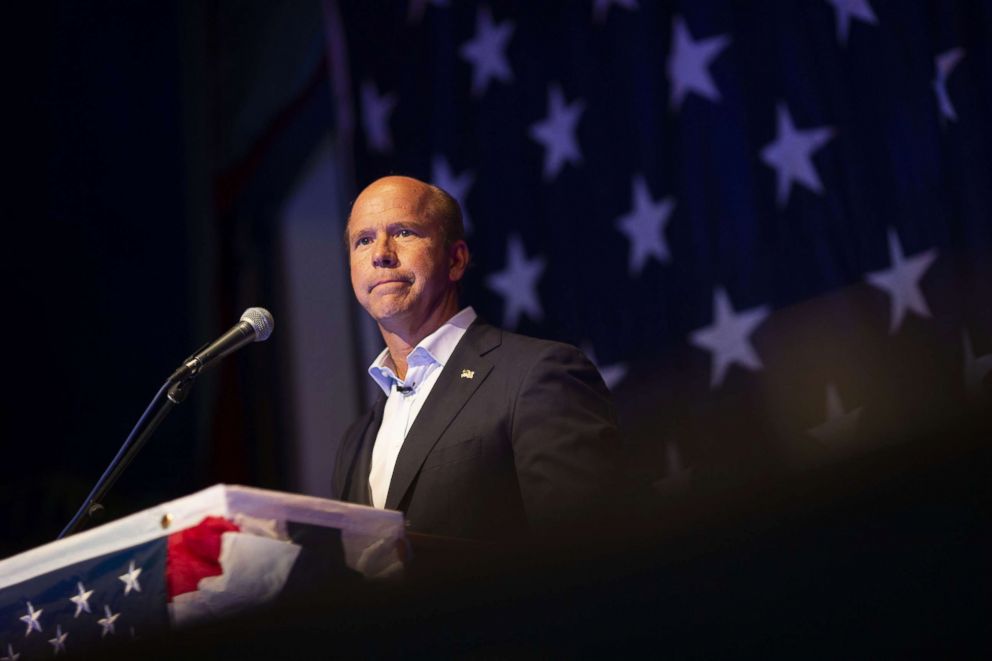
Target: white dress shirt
405 397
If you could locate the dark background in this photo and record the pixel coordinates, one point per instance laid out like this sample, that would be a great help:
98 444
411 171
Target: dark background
136 229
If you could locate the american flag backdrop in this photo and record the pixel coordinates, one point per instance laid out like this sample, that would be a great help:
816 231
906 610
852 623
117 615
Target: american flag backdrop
769 223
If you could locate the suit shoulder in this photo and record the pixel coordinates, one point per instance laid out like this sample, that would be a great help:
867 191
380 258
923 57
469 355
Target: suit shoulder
534 347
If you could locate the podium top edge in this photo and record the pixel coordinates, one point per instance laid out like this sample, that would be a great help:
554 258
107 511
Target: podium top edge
226 500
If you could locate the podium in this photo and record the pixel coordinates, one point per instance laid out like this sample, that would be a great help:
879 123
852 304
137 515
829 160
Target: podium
189 561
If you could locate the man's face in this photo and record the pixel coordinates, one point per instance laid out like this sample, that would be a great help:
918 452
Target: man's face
400 269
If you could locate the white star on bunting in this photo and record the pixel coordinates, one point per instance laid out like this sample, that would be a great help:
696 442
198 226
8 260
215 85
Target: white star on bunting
945 63
11 655
901 281
486 51
376 110
457 186
839 425
791 154
130 579
975 367
82 599
31 619
601 8
107 622
689 62
612 374
557 132
517 284
728 337
58 643
645 225
848 9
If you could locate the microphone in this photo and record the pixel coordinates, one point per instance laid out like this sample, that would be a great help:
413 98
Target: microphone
255 326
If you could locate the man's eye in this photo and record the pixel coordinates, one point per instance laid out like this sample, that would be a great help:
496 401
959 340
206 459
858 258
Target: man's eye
404 233
364 241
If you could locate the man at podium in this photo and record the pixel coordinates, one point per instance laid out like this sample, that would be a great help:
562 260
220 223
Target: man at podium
478 433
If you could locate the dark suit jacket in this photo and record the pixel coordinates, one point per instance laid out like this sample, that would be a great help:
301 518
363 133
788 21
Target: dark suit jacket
528 442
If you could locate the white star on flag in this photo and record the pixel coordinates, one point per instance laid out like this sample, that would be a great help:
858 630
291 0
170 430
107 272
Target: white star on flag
486 51
457 186
791 153
839 424
645 225
945 63
31 619
376 110
107 622
130 579
557 132
82 599
848 9
58 643
11 655
612 374
689 62
975 367
728 337
901 281
517 284
602 7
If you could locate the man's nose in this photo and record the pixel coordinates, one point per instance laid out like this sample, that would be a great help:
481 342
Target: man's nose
384 255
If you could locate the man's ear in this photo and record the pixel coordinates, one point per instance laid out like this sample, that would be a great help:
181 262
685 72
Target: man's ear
458 257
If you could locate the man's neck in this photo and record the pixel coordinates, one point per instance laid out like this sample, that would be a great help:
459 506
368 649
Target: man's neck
401 339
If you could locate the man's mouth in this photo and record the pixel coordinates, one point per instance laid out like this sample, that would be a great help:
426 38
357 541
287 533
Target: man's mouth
389 281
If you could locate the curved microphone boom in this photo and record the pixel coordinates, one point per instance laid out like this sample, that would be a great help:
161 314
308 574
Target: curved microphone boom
255 326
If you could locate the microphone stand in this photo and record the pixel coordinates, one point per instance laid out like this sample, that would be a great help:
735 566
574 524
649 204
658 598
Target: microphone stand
173 391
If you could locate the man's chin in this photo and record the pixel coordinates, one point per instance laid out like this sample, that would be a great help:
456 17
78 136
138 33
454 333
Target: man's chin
386 315
384 305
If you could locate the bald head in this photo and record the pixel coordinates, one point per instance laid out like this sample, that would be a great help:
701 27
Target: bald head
406 258
431 203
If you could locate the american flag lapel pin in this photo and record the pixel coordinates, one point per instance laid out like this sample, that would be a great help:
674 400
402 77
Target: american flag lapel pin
468 374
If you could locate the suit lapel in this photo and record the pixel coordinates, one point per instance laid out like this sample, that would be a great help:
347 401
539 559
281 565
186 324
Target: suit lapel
448 396
356 488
